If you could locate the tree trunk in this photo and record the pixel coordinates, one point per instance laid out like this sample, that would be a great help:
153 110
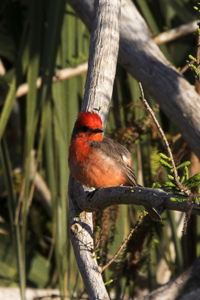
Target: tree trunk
104 47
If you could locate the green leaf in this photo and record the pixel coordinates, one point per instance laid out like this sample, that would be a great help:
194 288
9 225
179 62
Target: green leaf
162 155
170 177
194 68
196 200
192 58
97 257
185 164
169 183
178 199
165 164
6 111
186 173
182 179
193 181
108 282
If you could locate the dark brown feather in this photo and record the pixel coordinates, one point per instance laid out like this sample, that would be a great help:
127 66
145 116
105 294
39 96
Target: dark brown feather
120 154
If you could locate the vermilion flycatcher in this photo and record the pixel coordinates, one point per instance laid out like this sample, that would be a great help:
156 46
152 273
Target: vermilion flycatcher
97 161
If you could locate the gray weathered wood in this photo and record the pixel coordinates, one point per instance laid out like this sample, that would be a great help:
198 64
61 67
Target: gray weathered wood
105 197
186 286
140 56
104 47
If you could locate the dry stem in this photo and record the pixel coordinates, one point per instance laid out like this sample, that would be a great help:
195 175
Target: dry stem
124 243
59 76
178 184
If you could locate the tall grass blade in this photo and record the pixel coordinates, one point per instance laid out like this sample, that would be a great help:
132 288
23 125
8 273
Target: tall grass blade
6 165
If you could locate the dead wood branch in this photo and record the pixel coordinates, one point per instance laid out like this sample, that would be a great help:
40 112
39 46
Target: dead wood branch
105 197
104 45
176 33
185 286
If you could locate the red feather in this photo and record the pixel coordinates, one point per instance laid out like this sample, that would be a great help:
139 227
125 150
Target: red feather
90 119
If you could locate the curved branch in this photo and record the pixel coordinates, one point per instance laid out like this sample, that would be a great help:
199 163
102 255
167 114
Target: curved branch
100 199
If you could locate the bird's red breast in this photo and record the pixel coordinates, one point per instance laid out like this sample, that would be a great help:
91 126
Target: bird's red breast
93 168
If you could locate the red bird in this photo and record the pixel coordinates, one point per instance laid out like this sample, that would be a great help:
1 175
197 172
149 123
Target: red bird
97 161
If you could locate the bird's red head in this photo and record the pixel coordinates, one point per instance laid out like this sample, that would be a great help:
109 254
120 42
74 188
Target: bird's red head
88 123
89 119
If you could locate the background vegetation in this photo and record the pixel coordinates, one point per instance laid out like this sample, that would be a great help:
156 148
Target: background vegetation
38 38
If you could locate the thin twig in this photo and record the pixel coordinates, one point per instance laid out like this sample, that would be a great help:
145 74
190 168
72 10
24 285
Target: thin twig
184 69
178 184
59 76
189 63
124 243
198 49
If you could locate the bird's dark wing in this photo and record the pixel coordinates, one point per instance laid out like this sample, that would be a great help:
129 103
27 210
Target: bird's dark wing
120 154
112 149
123 158
130 176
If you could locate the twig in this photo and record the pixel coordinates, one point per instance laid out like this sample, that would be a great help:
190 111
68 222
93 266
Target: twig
124 243
196 67
176 33
198 49
59 76
176 138
178 184
184 69
190 64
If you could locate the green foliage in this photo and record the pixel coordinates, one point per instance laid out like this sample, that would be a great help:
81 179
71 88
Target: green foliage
108 282
47 36
170 185
185 164
165 164
193 181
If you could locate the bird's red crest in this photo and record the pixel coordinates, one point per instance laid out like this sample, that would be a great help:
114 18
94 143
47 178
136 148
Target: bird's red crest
90 119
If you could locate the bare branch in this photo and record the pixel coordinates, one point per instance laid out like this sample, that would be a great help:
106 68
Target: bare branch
176 33
100 199
60 76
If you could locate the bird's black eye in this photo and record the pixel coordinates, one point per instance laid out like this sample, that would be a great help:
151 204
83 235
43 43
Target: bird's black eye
85 129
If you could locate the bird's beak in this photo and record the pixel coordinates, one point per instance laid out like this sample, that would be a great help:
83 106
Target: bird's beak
97 131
